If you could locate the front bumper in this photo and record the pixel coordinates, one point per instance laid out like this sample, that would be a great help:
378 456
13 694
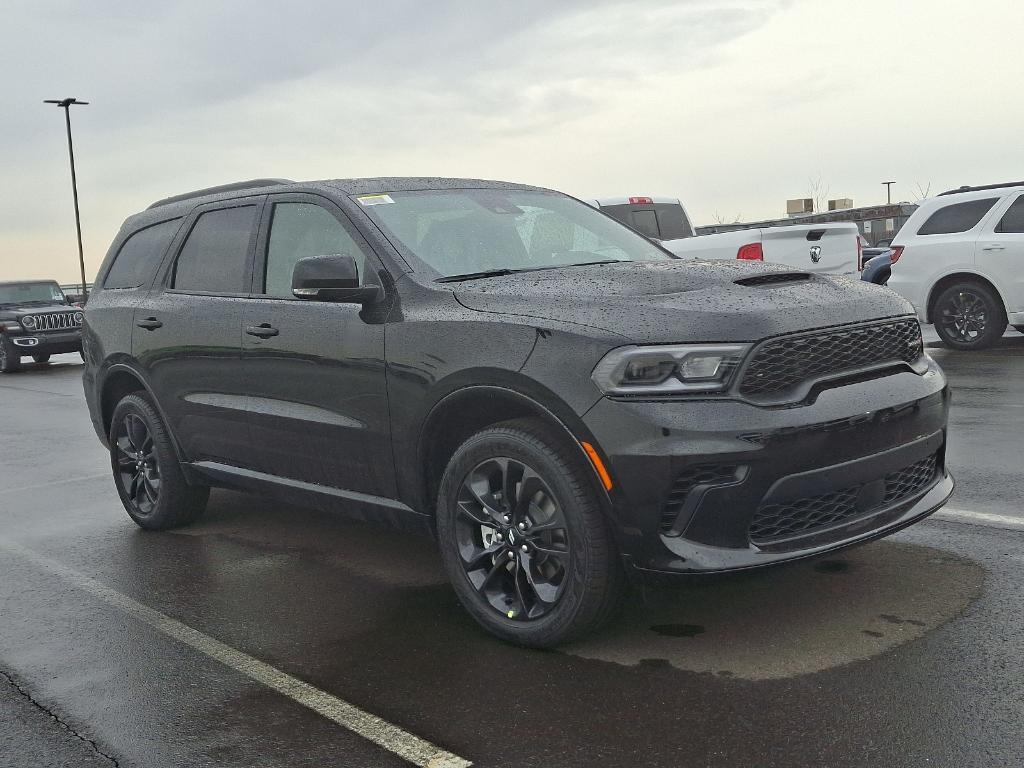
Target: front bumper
724 485
51 343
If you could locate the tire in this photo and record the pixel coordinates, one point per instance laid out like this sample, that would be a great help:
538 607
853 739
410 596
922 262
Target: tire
141 452
569 579
969 316
10 357
1019 328
41 358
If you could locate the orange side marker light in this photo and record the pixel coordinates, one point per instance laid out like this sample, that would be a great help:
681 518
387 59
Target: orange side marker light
595 459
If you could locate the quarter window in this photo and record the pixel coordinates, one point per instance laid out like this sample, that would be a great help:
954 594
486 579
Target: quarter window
1013 219
138 258
214 256
298 230
958 217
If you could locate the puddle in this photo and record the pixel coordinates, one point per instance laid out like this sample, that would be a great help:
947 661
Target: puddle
792 620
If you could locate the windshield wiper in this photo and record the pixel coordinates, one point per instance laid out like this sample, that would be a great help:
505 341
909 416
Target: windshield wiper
478 275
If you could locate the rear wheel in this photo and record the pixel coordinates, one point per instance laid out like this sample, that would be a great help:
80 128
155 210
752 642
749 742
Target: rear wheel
41 358
523 539
147 474
10 358
969 316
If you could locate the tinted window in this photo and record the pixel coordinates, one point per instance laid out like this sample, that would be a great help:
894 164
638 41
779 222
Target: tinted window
1013 219
958 217
214 255
140 255
299 230
646 222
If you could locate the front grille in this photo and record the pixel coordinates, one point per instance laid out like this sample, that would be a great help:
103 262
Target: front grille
782 364
689 479
54 321
774 522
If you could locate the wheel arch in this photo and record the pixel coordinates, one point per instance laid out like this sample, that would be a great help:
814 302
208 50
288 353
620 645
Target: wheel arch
119 380
461 413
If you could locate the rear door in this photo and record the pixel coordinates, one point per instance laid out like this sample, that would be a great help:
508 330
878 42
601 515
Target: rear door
1000 250
188 332
315 370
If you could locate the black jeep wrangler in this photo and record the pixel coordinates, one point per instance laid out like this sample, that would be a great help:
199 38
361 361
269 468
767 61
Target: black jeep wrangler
562 401
36 320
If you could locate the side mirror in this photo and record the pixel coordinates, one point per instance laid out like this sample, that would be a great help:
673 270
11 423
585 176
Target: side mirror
332 278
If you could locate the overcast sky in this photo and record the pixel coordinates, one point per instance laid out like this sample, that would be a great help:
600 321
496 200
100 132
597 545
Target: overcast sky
732 105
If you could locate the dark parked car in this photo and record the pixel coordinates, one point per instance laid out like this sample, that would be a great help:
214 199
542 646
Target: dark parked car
36 320
564 403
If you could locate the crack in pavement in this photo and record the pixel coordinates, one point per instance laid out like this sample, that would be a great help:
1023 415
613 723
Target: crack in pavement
56 718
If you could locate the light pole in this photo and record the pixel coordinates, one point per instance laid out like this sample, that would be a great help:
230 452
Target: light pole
888 191
66 104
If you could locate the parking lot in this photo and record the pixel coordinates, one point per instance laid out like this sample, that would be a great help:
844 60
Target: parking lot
268 635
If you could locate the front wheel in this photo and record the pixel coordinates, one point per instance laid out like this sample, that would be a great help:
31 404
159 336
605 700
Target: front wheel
10 358
147 474
968 316
523 539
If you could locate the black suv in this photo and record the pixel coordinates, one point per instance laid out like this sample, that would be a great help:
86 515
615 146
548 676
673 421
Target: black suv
36 320
565 404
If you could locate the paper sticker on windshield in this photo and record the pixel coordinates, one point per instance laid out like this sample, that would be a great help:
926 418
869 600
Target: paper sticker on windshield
375 199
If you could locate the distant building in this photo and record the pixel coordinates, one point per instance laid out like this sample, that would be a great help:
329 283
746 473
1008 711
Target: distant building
875 222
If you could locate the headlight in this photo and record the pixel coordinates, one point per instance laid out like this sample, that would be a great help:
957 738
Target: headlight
29 322
79 318
668 370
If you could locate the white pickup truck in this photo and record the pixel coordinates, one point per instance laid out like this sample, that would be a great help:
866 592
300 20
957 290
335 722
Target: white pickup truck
828 248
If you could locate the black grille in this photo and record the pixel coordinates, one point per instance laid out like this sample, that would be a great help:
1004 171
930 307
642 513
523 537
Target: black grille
773 522
690 478
782 364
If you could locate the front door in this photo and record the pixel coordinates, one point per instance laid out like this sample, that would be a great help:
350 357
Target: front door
318 399
188 334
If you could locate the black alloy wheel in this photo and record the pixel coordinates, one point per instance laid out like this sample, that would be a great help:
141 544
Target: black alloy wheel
138 470
969 317
524 537
512 538
147 473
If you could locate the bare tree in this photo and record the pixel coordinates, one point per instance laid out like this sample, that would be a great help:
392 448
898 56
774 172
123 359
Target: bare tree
818 192
922 191
720 219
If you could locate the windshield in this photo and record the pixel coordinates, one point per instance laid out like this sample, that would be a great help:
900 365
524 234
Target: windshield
466 231
31 293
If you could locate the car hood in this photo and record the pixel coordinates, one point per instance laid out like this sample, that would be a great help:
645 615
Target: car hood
14 312
684 301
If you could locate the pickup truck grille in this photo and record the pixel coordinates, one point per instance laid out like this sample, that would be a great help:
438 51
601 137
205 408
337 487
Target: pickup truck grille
54 321
782 364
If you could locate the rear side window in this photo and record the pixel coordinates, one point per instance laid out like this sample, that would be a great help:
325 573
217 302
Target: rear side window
140 255
1013 219
214 256
958 217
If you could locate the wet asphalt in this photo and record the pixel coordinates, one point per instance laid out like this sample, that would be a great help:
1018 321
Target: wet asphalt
904 652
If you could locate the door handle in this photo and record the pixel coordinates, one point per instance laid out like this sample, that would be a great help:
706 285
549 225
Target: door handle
995 247
263 330
150 324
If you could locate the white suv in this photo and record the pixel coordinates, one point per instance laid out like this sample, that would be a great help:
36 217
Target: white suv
961 263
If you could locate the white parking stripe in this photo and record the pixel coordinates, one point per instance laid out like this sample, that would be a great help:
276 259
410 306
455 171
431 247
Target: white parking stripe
980 518
65 481
392 738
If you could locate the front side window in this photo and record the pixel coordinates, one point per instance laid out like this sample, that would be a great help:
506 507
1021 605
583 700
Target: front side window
138 258
298 230
1013 219
43 292
959 217
464 231
214 256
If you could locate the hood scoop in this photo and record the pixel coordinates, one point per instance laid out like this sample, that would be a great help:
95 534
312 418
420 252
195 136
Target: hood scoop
773 278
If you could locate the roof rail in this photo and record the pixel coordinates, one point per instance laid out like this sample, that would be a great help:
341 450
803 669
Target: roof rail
234 187
982 187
